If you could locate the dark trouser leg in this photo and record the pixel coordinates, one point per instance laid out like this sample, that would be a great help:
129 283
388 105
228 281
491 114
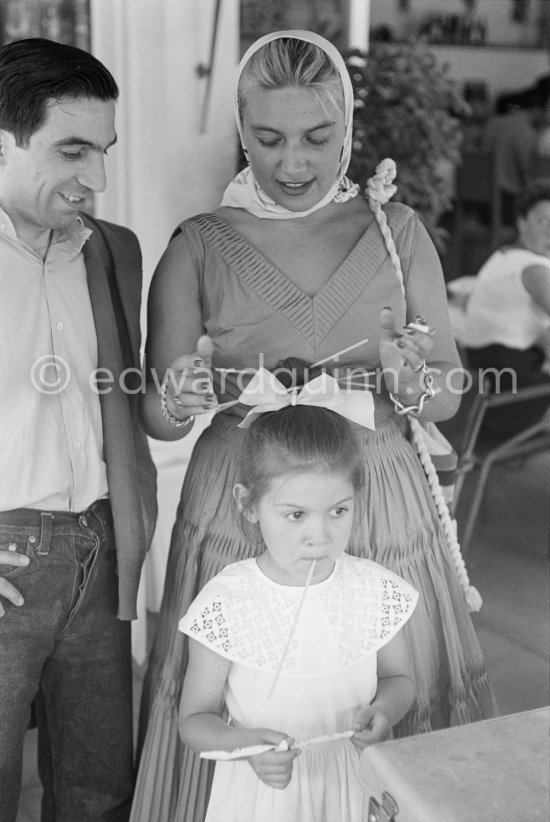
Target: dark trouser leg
84 701
84 709
25 642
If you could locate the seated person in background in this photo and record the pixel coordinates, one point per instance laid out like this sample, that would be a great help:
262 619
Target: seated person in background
514 138
506 324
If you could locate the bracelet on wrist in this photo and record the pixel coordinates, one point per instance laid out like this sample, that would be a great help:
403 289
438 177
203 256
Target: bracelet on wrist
166 413
428 392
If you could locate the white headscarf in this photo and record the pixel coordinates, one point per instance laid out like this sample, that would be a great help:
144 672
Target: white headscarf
243 191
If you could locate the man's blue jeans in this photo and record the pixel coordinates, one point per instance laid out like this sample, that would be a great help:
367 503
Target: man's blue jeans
65 648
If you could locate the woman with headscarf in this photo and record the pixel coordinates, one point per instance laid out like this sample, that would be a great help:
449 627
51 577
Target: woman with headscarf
295 264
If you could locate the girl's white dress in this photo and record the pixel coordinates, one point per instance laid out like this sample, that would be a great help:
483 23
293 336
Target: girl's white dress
329 672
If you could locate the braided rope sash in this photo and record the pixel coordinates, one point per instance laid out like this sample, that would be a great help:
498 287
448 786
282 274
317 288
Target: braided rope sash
380 190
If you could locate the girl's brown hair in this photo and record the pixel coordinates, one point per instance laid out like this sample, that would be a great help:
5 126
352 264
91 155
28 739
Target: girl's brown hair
296 439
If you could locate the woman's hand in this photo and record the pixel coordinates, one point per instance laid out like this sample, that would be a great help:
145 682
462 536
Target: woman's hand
274 767
7 590
189 389
371 725
402 356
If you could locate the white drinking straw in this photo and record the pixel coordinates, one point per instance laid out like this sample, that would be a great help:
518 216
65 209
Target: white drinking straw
254 750
292 629
339 353
315 364
225 405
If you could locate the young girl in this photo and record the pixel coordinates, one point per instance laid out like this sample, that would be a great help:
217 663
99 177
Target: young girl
302 641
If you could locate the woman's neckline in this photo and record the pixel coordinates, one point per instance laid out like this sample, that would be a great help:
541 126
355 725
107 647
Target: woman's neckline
305 223
276 269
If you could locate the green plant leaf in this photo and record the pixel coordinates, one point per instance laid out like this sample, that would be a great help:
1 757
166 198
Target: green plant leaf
407 108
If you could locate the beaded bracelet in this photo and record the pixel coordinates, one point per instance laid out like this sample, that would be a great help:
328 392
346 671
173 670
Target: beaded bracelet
428 392
166 413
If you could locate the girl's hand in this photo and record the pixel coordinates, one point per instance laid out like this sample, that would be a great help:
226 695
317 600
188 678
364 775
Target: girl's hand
274 767
371 726
402 355
190 391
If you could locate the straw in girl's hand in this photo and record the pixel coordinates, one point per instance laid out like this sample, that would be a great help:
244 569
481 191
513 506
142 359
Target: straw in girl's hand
254 750
251 750
318 740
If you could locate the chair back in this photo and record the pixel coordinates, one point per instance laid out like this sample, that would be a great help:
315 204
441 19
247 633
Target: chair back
479 451
464 428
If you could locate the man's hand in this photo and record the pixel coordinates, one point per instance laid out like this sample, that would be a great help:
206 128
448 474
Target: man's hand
7 590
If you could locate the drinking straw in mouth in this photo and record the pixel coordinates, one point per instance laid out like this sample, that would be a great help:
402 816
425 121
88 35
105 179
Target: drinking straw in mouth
292 629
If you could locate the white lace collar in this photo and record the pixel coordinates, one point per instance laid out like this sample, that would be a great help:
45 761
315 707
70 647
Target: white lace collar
245 617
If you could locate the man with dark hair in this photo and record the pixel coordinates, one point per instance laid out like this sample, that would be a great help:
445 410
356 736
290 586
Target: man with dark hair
77 484
513 136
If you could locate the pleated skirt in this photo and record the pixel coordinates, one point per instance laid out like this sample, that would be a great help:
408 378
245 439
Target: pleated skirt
398 527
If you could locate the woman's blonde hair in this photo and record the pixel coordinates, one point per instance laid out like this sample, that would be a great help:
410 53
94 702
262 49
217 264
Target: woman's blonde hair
286 63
